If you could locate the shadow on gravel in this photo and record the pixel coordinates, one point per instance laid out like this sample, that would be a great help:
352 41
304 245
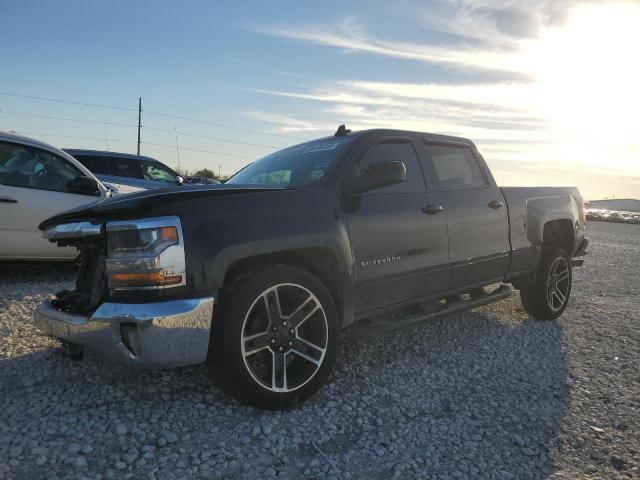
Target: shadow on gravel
466 396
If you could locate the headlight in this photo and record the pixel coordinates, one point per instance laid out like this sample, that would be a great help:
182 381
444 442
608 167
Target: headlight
145 254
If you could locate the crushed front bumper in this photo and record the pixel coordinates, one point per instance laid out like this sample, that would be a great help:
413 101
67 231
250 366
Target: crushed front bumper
145 335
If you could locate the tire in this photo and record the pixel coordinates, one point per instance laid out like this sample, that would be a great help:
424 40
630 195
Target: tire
548 296
274 341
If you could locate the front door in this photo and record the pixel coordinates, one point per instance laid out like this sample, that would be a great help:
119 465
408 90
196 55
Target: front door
399 239
33 187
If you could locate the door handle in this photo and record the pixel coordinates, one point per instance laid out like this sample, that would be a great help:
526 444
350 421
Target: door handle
8 200
431 209
495 204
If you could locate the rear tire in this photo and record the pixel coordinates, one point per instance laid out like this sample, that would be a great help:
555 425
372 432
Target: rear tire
548 296
275 337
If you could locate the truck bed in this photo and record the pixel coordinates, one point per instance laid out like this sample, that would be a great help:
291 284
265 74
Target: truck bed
529 208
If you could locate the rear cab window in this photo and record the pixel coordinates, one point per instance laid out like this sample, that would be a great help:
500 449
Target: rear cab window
454 167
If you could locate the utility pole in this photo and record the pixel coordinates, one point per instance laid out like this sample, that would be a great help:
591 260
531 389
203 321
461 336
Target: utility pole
139 121
177 149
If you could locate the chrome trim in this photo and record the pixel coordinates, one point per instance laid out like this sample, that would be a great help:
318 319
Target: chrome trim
173 333
72 230
171 260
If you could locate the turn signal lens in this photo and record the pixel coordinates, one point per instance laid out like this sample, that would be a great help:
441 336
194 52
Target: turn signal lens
169 234
119 280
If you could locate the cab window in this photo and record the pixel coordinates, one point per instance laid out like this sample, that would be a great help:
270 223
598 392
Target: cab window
394 151
27 167
157 172
455 167
125 167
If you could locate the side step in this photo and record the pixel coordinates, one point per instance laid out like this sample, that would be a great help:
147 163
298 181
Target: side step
368 330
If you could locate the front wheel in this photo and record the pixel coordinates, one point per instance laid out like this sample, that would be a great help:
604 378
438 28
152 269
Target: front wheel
274 341
548 296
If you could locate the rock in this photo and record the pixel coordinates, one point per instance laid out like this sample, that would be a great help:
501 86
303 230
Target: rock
617 463
121 429
517 439
74 448
80 462
15 452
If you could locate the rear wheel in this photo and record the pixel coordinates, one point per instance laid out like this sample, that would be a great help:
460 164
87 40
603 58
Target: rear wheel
275 337
548 296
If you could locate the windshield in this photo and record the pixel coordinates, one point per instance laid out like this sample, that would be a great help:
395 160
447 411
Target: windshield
295 166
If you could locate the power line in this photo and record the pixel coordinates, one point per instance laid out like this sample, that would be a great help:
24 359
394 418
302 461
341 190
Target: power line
209 137
199 150
135 141
59 100
51 117
232 127
160 114
118 124
69 136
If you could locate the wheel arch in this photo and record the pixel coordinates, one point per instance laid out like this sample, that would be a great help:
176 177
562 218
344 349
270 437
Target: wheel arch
559 233
319 261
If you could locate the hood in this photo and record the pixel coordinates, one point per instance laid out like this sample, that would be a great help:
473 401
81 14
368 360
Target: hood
123 204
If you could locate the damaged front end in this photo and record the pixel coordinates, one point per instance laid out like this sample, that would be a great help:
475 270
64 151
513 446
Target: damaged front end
128 304
91 282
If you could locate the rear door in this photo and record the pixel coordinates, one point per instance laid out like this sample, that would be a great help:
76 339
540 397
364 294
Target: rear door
400 250
33 187
477 223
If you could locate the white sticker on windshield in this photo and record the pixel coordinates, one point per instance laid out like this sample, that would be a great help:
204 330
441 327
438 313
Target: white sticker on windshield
320 147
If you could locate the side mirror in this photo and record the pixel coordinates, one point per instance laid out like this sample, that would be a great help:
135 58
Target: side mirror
179 180
377 175
84 186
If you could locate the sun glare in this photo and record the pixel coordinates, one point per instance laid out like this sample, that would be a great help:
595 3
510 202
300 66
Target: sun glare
588 73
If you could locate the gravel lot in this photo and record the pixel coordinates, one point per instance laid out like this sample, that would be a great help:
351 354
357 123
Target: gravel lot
488 394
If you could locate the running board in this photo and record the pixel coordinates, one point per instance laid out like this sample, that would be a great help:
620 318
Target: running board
368 330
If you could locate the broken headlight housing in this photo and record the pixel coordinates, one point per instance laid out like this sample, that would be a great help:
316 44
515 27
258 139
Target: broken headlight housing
145 254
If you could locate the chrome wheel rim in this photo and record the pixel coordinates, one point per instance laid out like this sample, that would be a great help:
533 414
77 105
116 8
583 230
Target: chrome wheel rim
284 337
558 284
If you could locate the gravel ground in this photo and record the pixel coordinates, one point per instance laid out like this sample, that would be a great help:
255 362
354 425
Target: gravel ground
488 394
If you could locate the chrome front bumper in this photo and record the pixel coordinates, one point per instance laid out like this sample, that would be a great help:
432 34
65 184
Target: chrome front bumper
146 335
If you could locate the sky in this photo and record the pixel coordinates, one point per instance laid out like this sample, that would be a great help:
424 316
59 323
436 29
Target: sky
547 90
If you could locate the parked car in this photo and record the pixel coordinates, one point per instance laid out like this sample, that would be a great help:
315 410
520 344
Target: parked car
201 180
302 243
36 182
127 173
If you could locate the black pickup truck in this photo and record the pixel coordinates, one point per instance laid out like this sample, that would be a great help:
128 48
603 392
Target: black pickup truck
257 276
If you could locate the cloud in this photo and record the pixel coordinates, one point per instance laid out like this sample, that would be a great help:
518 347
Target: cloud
287 123
494 22
350 37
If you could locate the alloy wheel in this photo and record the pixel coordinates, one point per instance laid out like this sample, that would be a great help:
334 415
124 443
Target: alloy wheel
558 284
284 337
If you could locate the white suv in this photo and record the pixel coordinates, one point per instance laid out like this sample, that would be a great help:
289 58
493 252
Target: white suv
38 181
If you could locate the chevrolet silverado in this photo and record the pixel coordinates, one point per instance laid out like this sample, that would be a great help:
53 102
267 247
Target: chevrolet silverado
255 277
